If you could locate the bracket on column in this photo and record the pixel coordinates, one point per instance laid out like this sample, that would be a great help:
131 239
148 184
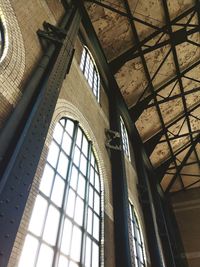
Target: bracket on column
113 140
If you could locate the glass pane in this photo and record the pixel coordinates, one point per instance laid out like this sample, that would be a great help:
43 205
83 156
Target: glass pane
92 175
83 165
38 215
85 146
66 237
81 186
72 264
70 127
45 257
97 182
88 252
66 143
92 159
51 226
58 190
96 227
79 211
58 131
91 192
74 177
29 252
62 165
76 156
96 203
63 262
76 244
53 154
47 179
70 203
89 221
95 255
79 138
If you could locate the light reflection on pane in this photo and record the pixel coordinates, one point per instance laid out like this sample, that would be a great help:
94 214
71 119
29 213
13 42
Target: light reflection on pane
89 221
79 138
70 203
74 177
63 262
96 227
91 192
53 154
96 203
38 215
76 244
70 127
47 179
78 217
66 237
62 165
58 190
95 255
51 226
28 252
83 165
45 257
88 252
81 186
57 135
76 156
66 143
85 146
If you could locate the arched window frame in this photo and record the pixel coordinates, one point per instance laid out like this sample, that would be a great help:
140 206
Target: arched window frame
125 140
90 71
80 142
137 239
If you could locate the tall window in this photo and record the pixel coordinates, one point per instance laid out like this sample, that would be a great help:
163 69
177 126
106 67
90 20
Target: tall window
125 141
90 71
64 229
137 238
1 38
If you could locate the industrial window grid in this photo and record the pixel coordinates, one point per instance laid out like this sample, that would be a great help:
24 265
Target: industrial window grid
64 229
1 38
89 69
125 142
137 238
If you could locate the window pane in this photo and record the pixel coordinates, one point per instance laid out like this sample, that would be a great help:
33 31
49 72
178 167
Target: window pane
76 156
66 237
97 182
62 165
66 143
70 203
96 227
45 257
91 192
72 264
74 178
47 180
63 262
95 255
96 203
29 252
51 226
81 186
76 244
53 154
78 217
38 216
92 175
58 190
58 131
89 221
83 165
70 127
79 138
85 146
88 252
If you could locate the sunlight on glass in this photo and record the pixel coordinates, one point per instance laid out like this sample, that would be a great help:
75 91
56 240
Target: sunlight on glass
70 203
89 221
45 257
51 226
57 135
66 143
85 146
92 175
76 244
63 262
74 178
96 227
53 154
88 252
97 182
91 192
76 156
38 215
96 203
81 186
46 181
62 165
78 217
95 255
70 127
79 138
66 237
58 190
83 165
28 252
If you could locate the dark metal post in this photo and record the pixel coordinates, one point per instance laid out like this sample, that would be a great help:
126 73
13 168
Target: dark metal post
19 172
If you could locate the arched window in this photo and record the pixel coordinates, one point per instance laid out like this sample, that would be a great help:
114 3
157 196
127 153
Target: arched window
125 141
64 229
1 39
137 238
90 72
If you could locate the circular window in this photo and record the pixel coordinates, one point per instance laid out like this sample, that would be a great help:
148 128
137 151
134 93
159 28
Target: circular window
1 39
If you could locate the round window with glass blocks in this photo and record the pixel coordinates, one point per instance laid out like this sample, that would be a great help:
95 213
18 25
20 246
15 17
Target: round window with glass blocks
64 229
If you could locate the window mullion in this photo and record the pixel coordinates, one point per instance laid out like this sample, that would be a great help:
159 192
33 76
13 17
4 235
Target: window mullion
62 214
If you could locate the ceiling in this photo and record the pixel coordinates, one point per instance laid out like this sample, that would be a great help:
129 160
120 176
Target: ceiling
153 50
